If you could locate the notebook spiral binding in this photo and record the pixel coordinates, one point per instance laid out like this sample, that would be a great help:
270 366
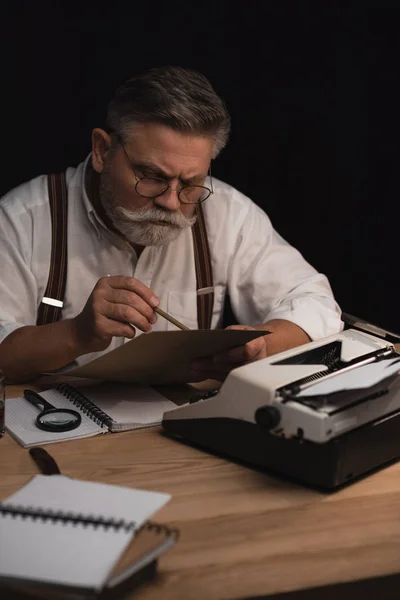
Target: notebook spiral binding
160 528
88 408
16 511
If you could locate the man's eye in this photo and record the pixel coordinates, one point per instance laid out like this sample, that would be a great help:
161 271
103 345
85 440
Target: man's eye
150 176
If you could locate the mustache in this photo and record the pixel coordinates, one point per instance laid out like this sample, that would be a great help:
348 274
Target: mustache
174 219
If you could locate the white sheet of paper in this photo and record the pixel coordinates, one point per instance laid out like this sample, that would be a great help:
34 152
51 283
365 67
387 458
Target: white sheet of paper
357 378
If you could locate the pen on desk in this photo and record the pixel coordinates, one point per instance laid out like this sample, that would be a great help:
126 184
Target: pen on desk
172 320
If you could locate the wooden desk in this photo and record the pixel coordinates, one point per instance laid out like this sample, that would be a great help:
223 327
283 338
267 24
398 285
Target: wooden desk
243 533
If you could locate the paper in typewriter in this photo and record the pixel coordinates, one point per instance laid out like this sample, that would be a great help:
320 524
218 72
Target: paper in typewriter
362 377
65 553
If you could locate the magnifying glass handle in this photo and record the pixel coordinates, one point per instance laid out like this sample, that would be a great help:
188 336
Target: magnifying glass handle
37 400
44 461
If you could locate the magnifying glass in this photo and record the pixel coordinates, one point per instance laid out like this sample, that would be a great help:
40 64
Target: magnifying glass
51 418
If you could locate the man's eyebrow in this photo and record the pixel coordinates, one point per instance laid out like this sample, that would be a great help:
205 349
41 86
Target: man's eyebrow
149 167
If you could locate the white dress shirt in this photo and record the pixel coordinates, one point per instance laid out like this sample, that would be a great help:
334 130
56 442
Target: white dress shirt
265 277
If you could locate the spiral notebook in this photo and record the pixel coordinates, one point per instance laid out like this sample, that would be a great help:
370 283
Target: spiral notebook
62 532
104 407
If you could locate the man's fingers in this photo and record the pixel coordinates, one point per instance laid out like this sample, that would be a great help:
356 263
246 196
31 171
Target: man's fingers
128 300
221 364
116 329
126 314
124 297
133 285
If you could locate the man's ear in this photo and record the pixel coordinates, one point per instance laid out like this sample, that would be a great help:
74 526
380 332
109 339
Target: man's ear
101 144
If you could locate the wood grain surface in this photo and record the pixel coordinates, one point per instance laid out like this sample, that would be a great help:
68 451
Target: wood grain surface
244 533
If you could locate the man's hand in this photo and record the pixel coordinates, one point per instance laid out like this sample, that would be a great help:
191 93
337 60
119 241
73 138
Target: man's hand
115 304
219 366
284 335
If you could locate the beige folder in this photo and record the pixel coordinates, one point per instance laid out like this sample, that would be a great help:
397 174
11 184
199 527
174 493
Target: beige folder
162 356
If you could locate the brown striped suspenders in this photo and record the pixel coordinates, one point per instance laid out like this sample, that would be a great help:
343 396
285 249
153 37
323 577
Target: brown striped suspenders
204 276
52 302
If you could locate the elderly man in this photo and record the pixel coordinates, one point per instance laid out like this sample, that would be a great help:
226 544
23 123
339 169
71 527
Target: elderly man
146 225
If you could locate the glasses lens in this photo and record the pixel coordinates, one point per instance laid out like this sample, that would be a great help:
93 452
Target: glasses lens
194 193
151 187
59 418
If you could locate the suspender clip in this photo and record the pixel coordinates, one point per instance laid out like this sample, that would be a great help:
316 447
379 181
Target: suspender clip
206 290
52 302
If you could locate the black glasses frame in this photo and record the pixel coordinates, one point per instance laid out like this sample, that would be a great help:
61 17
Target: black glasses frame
167 186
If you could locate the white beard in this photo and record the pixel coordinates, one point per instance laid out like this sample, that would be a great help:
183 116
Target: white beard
137 228
140 227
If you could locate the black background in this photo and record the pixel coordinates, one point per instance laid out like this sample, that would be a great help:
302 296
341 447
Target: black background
312 88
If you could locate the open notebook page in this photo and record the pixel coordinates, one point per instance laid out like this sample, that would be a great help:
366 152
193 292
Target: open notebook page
21 417
129 405
80 555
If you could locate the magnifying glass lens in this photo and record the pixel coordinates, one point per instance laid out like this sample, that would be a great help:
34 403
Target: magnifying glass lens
58 420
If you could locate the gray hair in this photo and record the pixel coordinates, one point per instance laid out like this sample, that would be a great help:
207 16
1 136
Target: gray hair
179 98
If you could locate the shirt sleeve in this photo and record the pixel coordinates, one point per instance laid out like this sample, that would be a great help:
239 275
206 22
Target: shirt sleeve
269 279
18 288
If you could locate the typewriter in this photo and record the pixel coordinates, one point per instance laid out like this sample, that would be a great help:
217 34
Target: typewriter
325 413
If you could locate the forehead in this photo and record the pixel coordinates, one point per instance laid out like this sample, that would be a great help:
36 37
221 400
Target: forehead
169 149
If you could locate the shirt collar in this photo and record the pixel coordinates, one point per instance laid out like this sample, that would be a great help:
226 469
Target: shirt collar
100 227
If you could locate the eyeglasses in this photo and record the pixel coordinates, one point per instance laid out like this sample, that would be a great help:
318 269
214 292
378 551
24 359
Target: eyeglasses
152 187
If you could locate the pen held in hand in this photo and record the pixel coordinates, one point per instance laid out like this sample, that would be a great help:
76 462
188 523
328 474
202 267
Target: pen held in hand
172 320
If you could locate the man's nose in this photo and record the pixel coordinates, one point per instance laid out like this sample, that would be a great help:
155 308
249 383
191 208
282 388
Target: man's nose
168 200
